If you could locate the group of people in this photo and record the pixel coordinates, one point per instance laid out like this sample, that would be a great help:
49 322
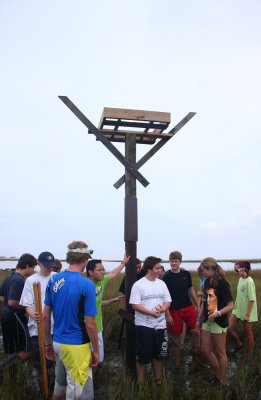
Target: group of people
72 317
162 302
165 306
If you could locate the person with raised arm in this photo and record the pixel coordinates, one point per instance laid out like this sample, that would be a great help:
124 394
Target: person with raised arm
96 273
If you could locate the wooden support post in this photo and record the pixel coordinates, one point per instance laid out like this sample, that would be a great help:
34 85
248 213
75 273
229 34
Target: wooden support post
130 237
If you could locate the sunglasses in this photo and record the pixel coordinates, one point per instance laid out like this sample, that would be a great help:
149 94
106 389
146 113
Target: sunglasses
237 270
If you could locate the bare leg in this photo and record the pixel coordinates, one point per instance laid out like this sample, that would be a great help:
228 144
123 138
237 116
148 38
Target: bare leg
247 326
140 369
156 366
176 350
25 355
219 341
195 338
233 320
183 334
206 349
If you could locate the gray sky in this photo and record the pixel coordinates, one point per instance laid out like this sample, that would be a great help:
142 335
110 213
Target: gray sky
168 55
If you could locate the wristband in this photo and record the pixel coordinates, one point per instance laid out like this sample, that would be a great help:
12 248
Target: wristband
48 345
199 319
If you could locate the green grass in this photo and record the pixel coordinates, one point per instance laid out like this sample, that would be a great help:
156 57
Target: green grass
111 383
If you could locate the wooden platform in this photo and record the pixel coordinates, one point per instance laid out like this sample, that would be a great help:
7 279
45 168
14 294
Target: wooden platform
116 123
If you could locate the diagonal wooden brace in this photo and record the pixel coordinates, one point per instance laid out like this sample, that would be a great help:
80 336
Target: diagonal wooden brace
157 146
104 141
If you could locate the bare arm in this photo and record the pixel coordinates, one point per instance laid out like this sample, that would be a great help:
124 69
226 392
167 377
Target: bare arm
1 299
225 310
91 328
169 318
49 352
110 301
118 269
199 295
33 314
144 310
249 309
15 304
165 307
194 296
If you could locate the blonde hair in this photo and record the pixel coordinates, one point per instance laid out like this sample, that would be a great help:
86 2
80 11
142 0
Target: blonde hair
210 263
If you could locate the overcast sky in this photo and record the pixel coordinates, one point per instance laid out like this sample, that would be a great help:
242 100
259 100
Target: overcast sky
168 55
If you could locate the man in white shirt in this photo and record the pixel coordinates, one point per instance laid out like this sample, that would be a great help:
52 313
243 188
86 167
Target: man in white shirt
150 299
45 262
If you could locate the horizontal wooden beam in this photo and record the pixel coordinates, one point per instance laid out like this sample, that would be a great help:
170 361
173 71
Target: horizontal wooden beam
140 115
104 140
142 134
157 147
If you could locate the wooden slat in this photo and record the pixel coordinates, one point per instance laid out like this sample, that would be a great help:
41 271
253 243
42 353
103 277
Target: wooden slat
156 133
140 115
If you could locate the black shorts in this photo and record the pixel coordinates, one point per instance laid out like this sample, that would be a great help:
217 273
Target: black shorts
151 344
36 355
15 333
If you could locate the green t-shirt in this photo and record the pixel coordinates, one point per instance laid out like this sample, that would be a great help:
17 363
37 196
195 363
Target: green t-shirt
99 288
246 292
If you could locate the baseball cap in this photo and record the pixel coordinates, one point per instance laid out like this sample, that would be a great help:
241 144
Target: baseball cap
47 259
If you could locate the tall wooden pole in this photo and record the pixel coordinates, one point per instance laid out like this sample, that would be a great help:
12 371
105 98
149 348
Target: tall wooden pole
131 238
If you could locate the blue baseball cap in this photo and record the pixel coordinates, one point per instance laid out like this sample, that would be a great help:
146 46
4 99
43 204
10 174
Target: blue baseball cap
47 259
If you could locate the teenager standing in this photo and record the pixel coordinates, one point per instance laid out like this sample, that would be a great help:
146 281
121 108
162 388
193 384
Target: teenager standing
245 309
217 303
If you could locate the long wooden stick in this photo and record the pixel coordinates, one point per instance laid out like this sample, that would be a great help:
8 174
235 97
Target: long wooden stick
38 306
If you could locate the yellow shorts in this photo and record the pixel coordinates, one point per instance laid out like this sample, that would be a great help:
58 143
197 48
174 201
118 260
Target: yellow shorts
73 375
213 327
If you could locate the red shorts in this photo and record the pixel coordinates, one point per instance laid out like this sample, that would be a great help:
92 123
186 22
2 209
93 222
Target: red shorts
188 315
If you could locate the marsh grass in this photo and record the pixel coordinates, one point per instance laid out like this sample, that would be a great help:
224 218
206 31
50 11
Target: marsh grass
186 382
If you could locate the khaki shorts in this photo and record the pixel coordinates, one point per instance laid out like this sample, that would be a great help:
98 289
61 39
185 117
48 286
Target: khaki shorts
213 327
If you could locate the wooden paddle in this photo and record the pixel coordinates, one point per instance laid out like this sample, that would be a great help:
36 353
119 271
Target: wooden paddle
38 306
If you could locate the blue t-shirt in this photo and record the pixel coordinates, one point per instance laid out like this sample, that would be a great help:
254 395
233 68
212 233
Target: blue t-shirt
72 297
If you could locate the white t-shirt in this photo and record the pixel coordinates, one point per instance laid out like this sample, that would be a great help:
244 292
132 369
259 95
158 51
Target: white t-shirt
27 298
150 294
